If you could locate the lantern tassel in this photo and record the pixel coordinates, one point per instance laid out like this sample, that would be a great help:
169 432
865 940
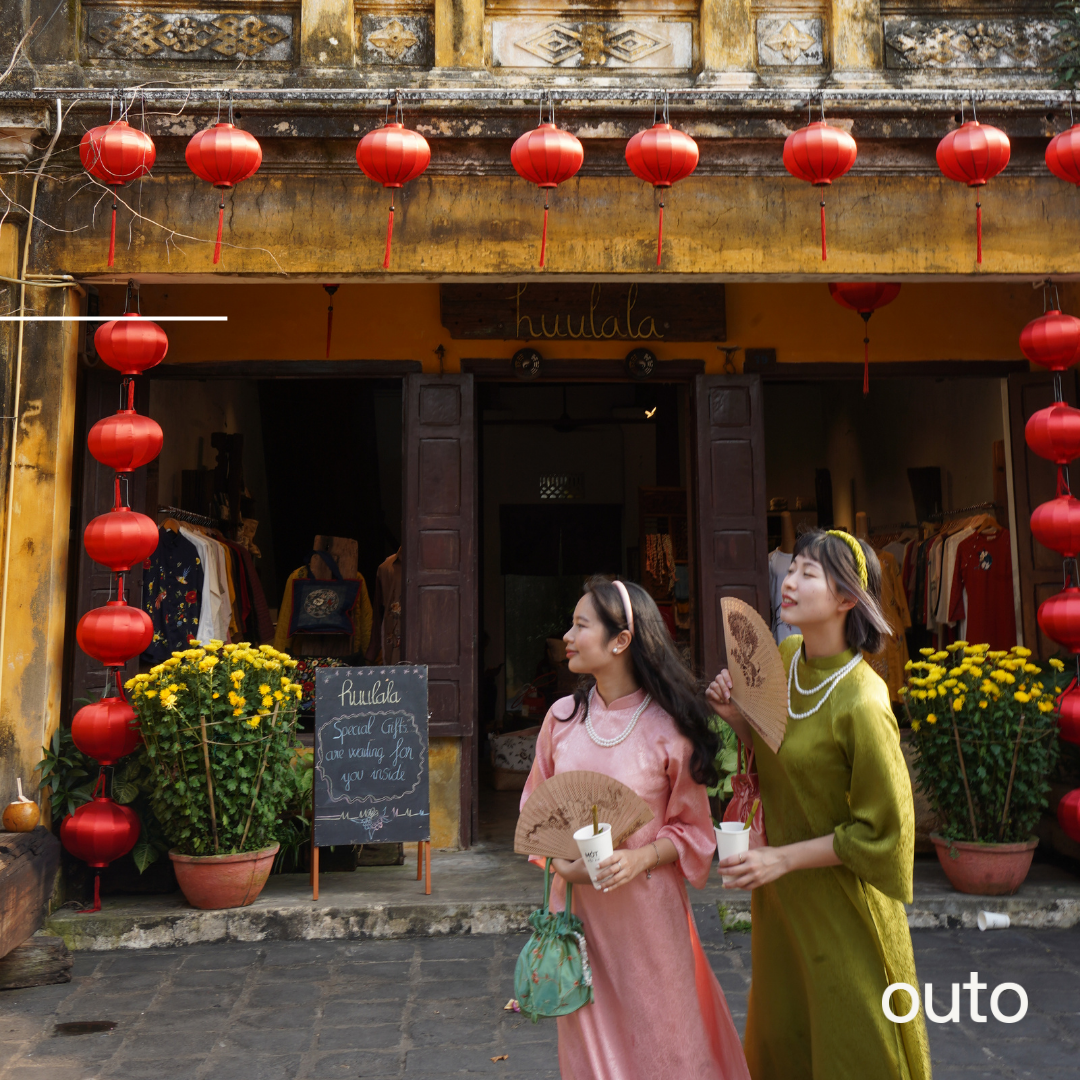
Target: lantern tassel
329 327
866 366
978 231
389 235
824 250
660 234
220 223
112 231
97 896
543 235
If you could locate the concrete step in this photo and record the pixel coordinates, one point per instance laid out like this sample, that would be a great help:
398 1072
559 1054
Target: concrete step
486 890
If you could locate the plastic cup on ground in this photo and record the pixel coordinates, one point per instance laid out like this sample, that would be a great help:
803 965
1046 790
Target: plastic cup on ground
732 837
594 849
992 920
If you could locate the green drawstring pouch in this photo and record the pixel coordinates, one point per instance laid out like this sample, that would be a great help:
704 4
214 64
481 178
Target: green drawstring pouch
552 977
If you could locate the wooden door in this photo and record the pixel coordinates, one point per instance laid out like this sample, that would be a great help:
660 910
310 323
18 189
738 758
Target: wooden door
732 547
1034 482
93 582
440 611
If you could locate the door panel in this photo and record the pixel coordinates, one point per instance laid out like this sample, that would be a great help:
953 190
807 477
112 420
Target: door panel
1034 482
730 486
441 613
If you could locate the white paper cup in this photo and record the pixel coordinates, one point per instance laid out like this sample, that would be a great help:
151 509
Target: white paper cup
992 920
594 849
731 838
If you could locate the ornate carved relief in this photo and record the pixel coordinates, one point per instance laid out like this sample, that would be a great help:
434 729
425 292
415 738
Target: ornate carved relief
591 43
399 40
790 42
964 43
168 35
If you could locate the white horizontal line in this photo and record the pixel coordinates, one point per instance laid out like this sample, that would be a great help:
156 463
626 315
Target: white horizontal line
110 318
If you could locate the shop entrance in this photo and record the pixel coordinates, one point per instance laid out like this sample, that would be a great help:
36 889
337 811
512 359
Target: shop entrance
575 479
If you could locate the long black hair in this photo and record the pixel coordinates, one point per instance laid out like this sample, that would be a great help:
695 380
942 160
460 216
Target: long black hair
658 667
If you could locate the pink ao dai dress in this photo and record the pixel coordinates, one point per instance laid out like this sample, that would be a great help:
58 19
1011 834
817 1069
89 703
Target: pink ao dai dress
657 1010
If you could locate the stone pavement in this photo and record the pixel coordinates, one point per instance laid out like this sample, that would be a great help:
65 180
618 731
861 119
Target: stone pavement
432 1007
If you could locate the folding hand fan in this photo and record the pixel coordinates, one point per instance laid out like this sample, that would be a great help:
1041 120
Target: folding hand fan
563 804
759 681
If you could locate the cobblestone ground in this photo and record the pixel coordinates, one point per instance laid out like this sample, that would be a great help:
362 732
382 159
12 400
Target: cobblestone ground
432 1007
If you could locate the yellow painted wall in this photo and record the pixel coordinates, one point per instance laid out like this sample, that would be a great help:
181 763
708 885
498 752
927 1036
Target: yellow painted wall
444 760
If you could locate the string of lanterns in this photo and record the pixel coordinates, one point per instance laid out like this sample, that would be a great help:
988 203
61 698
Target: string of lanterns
819 153
101 831
1053 341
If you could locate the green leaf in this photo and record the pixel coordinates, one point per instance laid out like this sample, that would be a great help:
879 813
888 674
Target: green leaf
144 853
124 792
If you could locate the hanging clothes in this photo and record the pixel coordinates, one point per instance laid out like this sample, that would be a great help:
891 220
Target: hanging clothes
779 562
890 660
172 594
388 612
952 544
260 627
983 589
361 619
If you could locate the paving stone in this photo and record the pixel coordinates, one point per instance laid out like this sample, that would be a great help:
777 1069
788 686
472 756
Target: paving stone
209 978
437 1031
361 1037
233 1066
370 1064
143 960
342 1013
268 991
218 956
155 1068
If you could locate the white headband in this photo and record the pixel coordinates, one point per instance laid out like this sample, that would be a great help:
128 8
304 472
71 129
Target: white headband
628 611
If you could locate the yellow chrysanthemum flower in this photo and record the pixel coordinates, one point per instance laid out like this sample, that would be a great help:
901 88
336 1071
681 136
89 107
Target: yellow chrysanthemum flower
1057 664
267 701
299 691
958 704
915 725
950 683
983 704
278 695
264 689
151 693
920 695
237 712
1021 697
1035 693
902 691
939 656
931 718
977 672
1046 706
1021 651
129 684
997 654
961 688
168 698
926 652
908 666
254 722
215 694
931 694
1032 669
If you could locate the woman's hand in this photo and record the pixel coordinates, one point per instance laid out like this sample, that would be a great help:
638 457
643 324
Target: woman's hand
718 696
621 868
572 870
749 869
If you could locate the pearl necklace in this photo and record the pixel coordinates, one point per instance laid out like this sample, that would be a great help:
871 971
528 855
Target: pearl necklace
629 727
829 685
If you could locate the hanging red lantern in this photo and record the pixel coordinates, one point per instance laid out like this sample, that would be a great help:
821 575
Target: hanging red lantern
223 155
865 297
1063 155
661 156
393 155
1059 618
973 154
106 730
1054 433
546 157
113 634
131 344
1068 706
100 831
116 153
1052 340
125 441
819 154
121 538
1068 815
1056 525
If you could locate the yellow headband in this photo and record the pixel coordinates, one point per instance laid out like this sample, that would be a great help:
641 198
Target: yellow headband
856 551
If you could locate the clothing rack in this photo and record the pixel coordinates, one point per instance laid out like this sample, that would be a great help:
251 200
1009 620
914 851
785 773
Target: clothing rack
973 509
187 516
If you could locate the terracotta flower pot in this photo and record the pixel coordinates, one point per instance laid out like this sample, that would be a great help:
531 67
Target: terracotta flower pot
985 869
223 881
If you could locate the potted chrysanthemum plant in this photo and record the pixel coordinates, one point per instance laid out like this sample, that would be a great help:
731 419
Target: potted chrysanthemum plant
218 725
984 732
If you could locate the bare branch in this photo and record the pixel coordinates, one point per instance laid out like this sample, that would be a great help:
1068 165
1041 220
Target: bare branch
18 48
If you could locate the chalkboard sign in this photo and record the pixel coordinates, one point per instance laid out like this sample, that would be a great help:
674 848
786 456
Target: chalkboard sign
371 755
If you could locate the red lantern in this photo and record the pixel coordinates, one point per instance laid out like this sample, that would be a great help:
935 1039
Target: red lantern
661 156
1063 155
1069 714
131 344
1059 618
106 730
1068 815
1056 525
546 156
100 831
819 154
113 634
973 154
125 441
865 297
121 538
1051 340
1054 433
393 155
223 155
116 154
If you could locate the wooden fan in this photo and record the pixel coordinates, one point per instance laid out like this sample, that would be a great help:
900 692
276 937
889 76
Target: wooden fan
563 804
758 678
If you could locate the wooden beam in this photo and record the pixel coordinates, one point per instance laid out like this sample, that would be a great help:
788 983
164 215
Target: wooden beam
289 369
28 865
926 369
582 370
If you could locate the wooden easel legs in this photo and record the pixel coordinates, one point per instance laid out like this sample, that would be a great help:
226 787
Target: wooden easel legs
314 872
423 864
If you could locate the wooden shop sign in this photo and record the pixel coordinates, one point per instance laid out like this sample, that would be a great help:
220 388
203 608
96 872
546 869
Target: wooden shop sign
585 312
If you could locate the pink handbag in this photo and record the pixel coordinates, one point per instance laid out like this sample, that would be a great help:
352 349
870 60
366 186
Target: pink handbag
744 790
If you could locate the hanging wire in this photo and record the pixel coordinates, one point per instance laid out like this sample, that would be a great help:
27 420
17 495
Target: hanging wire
218 121
230 107
974 114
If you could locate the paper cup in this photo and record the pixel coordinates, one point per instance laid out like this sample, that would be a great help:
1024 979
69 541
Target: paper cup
594 849
992 920
731 838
